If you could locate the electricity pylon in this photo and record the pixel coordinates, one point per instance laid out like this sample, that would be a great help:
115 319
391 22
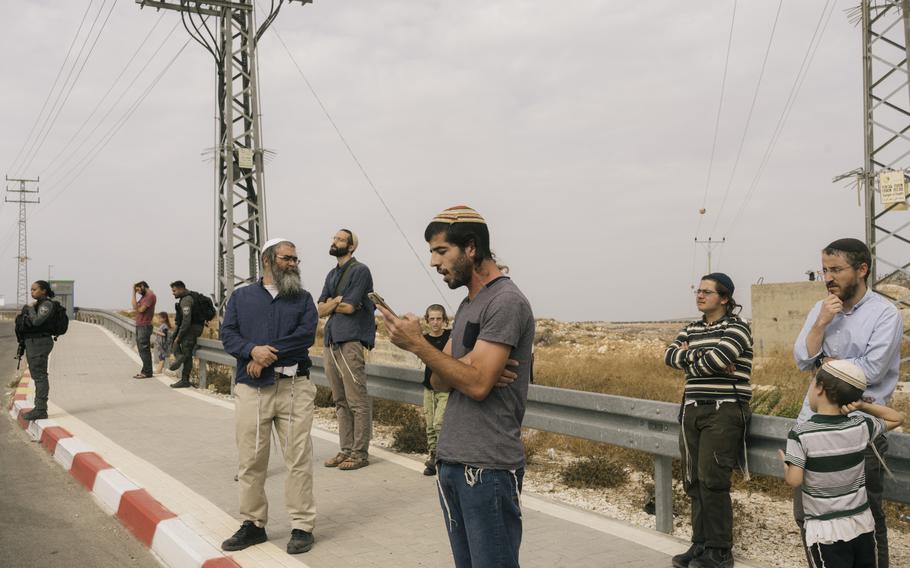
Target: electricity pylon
241 216
22 285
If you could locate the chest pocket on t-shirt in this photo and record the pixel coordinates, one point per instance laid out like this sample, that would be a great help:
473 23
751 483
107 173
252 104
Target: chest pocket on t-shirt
471 331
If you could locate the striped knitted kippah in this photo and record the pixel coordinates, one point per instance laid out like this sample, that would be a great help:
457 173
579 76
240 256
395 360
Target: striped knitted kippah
459 214
847 372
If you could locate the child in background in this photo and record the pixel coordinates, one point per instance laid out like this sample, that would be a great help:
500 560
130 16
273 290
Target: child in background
434 403
825 457
162 340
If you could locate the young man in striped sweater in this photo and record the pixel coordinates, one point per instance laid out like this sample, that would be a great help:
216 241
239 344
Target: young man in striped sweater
825 461
715 352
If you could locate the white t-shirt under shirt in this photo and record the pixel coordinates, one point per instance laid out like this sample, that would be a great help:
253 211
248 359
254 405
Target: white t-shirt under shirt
292 369
830 450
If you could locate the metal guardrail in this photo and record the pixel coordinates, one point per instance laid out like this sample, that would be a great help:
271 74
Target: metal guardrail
646 425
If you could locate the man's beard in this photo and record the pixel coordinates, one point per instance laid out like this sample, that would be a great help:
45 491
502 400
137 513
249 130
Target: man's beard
847 291
461 272
339 252
287 280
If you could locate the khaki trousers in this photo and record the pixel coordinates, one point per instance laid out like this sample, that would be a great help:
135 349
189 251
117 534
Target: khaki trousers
346 372
288 405
434 408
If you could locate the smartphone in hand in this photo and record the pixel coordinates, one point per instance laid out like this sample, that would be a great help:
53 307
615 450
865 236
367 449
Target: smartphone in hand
377 299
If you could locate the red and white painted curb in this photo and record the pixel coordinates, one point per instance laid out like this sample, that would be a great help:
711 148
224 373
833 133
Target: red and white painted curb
175 543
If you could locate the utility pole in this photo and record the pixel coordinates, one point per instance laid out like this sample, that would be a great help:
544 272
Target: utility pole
240 222
886 125
22 198
709 246
886 122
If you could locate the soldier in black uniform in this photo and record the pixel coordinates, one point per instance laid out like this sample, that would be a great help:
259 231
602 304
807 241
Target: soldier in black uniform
37 330
188 331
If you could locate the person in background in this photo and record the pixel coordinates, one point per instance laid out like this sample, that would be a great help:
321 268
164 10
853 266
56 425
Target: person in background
162 340
434 402
715 352
144 307
825 462
38 329
858 325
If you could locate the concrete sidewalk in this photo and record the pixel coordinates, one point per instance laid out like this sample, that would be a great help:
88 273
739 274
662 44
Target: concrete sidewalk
180 446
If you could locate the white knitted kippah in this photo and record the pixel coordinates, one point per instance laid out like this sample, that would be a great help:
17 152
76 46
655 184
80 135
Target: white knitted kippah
847 372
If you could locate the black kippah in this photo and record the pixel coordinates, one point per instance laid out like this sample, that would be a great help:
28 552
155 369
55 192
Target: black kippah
721 279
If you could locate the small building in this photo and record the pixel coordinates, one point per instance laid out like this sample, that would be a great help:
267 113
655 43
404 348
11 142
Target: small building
779 311
64 293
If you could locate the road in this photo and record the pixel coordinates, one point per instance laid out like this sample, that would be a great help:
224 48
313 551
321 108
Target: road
48 520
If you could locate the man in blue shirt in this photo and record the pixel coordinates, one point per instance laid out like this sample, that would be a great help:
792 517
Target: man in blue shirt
351 328
858 325
269 327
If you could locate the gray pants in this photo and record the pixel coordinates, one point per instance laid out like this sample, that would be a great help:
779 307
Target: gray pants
37 350
346 372
183 350
875 486
144 346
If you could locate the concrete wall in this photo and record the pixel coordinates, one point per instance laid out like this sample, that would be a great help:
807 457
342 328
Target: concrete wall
779 311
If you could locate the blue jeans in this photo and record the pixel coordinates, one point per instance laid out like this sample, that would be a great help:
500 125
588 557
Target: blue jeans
482 511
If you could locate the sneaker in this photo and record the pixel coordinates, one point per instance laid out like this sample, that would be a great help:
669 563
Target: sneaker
35 414
683 560
337 460
175 365
142 376
429 470
431 459
301 541
248 535
181 384
713 558
353 463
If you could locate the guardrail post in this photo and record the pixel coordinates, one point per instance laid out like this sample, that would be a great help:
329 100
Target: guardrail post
663 493
202 374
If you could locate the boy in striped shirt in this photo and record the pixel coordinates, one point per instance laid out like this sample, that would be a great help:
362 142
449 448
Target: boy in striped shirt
825 457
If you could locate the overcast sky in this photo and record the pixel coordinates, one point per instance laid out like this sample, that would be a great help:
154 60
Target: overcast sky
581 130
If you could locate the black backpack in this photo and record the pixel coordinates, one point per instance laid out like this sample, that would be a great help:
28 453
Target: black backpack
203 308
60 322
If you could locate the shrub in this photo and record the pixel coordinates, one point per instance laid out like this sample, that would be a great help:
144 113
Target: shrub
411 436
593 472
323 397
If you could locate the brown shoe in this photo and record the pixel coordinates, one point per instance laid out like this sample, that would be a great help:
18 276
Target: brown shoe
353 463
337 460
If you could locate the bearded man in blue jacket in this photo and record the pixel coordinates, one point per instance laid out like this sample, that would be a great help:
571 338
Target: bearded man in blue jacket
269 327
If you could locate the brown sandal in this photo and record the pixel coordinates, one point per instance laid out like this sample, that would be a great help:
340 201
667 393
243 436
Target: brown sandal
353 463
340 458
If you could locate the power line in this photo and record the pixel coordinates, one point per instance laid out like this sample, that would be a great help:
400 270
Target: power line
363 171
105 140
742 141
56 167
720 106
110 89
36 148
811 50
53 86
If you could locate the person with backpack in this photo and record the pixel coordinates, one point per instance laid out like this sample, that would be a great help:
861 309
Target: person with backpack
351 327
38 325
193 311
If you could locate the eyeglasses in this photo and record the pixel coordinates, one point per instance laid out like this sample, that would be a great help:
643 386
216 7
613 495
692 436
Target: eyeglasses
835 270
287 258
701 292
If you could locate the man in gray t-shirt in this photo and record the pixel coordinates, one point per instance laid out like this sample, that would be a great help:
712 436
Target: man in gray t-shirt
487 366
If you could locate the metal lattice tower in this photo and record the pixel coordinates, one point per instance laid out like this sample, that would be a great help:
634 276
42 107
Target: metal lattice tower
241 213
886 114
22 198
